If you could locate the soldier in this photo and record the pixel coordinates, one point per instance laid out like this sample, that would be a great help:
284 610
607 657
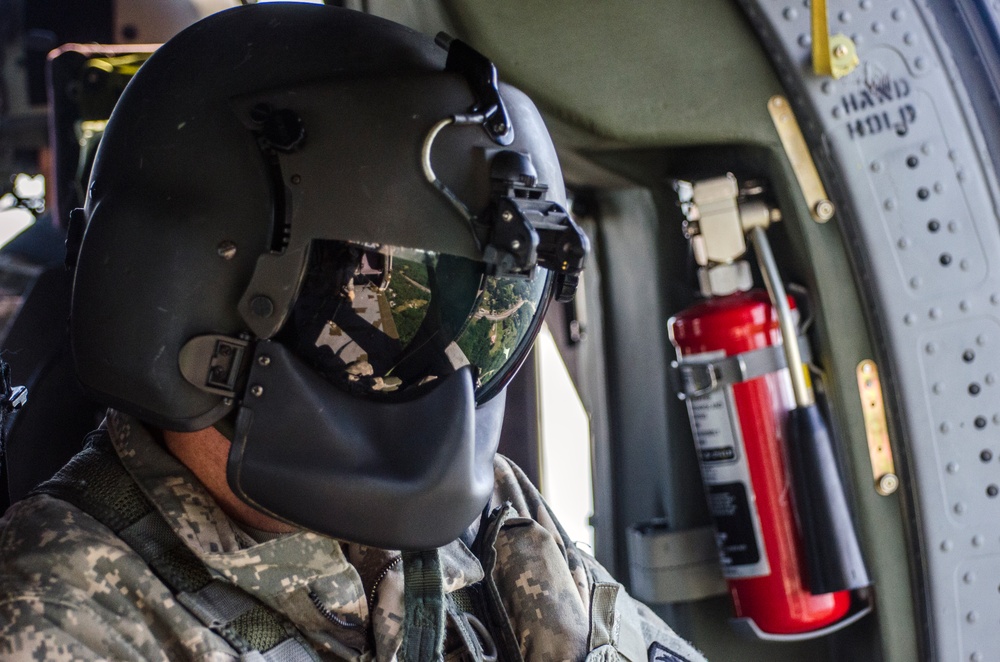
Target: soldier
295 220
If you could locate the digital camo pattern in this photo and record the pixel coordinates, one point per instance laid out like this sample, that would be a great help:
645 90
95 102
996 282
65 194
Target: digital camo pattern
71 590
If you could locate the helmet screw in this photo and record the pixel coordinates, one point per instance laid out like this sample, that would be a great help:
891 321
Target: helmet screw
296 179
500 127
257 390
514 245
507 217
228 402
226 250
264 360
261 306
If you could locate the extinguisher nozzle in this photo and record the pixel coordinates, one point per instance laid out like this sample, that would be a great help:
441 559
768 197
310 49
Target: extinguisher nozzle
830 544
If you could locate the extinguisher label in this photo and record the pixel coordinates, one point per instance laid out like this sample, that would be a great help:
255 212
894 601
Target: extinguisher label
724 467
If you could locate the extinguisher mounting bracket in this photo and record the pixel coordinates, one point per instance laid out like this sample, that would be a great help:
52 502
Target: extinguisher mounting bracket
700 377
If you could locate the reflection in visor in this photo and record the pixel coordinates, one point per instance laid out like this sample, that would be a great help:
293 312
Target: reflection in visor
377 320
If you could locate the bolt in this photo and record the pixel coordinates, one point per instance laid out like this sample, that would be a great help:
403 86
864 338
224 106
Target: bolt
500 127
257 390
228 402
824 210
986 455
888 484
514 245
840 51
507 217
974 389
264 360
980 422
968 356
992 491
933 225
226 250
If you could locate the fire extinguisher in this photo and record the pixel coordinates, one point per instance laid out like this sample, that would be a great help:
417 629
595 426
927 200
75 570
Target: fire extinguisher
743 409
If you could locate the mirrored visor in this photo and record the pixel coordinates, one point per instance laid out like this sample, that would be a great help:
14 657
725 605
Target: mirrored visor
382 321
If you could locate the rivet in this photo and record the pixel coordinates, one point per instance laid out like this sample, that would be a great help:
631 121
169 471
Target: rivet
969 577
945 259
992 491
959 508
790 13
968 356
963 305
954 226
226 250
296 179
986 455
952 467
980 422
935 313
514 245
990 378
261 306
933 225
930 347
264 360
877 27
916 282
912 161
945 427
946 546
909 39
923 193
972 617
865 4
804 41
981 340
909 319
898 14
920 63
507 216
840 51
903 243
937 388
257 390
926 149
974 388
977 540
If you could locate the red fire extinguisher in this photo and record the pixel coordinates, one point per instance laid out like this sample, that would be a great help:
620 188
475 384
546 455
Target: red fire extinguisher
739 431
786 540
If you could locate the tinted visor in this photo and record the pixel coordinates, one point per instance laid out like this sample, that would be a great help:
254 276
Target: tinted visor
381 321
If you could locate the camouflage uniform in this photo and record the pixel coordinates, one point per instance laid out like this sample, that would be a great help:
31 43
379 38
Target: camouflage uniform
73 590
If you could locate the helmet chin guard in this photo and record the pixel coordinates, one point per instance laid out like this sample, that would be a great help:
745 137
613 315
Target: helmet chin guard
407 475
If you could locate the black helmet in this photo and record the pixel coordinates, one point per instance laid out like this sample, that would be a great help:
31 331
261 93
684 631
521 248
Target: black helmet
342 236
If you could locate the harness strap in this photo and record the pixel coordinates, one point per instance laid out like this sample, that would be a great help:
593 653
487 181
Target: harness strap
423 597
96 482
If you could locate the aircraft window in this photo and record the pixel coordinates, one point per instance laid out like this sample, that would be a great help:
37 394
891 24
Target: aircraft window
566 475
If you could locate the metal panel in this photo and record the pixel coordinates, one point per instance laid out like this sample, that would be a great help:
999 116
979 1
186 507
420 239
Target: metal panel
922 220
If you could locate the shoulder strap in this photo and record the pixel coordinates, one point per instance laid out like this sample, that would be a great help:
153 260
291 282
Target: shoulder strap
96 482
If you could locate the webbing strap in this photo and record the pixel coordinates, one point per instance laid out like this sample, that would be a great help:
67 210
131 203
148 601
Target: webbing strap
96 482
423 597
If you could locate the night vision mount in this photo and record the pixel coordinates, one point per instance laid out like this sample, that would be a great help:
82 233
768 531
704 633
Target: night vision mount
519 230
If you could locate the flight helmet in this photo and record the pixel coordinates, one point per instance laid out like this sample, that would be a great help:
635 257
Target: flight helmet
335 238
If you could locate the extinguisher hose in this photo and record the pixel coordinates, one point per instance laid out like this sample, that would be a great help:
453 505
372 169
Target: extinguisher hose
832 552
789 334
